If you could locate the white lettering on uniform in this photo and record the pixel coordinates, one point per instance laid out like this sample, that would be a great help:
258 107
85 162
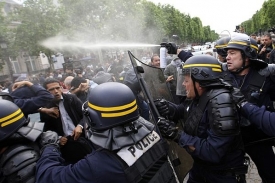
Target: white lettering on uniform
131 154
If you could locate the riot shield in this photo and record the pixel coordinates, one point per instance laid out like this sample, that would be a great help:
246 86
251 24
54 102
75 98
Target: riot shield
153 85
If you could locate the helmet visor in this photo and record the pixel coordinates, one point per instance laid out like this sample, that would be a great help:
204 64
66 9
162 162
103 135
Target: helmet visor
180 91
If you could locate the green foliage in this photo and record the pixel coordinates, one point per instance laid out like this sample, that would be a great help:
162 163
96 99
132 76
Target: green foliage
96 21
39 19
3 34
262 19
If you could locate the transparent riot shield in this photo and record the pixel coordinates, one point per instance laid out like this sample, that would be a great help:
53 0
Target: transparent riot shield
180 91
153 85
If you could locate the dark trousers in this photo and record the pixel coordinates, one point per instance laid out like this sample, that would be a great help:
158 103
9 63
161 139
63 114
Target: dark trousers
261 153
200 174
263 157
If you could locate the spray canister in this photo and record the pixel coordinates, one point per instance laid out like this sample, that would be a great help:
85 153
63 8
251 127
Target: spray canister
162 56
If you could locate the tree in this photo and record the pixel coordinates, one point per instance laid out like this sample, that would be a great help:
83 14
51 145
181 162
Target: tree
263 19
154 22
40 19
99 21
207 34
94 22
199 34
270 13
3 36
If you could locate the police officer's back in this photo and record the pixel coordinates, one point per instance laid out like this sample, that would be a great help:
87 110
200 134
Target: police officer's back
125 146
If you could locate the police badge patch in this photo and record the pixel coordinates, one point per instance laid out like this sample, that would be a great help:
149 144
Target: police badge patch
131 154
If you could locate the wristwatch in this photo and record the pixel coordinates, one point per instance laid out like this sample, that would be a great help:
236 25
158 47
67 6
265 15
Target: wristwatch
39 110
80 126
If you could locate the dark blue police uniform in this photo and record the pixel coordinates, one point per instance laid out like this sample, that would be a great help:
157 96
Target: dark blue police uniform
261 153
214 154
211 130
259 116
98 167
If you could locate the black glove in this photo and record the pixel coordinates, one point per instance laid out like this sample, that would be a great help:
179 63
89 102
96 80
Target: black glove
168 129
48 138
238 97
162 106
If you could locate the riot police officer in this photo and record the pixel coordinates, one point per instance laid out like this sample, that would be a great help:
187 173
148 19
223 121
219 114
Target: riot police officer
244 73
126 147
220 45
18 150
211 131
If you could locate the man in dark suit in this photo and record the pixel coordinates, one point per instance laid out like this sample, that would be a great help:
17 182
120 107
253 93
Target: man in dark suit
63 114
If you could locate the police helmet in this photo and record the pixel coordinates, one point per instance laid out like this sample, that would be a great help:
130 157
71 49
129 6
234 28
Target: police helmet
11 119
254 45
203 69
221 44
111 104
247 46
241 42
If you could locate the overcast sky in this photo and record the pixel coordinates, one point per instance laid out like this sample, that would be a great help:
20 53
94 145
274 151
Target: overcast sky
218 14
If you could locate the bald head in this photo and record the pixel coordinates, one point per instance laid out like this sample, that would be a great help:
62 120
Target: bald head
67 82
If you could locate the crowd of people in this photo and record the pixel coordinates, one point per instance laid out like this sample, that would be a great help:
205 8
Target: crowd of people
95 124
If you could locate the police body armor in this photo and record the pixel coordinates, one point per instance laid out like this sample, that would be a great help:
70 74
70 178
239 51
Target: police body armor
17 140
253 93
222 113
18 163
152 167
224 121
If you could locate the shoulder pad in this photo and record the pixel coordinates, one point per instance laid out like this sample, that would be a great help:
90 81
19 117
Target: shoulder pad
222 111
268 71
18 163
31 131
215 92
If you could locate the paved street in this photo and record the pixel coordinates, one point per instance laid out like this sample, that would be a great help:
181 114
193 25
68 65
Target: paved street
252 175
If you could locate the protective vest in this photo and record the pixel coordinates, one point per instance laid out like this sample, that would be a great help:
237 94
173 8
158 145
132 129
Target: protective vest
222 113
18 163
152 167
255 86
254 93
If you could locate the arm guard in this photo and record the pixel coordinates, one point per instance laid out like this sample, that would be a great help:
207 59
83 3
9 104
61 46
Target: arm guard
18 163
223 115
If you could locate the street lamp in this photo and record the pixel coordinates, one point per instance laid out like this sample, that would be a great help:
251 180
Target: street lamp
4 46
